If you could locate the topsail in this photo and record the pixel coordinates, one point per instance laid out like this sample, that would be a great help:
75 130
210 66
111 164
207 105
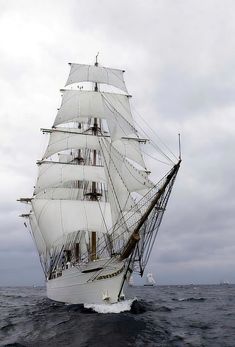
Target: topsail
97 74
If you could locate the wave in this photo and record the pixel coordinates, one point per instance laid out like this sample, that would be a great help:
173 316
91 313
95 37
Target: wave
13 296
119 307
190 299
7 327
14 344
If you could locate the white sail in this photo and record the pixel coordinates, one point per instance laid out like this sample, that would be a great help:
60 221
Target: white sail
65 157
130 148
131 281
39 241
59 193
84 242
150 279
65 139
121 123
123 179
116 164
62 139
70 216
115 108
79 104
99 74
56 174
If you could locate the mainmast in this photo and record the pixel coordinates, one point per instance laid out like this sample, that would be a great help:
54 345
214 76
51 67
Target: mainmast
94 194
95 133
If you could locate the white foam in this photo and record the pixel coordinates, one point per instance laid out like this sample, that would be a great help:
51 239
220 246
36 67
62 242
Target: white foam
121 306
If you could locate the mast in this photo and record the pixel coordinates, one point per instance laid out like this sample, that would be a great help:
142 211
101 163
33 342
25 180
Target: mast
95 128
94 195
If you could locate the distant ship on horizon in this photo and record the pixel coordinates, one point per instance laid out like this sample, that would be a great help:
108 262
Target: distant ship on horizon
131 281
150 281
224 283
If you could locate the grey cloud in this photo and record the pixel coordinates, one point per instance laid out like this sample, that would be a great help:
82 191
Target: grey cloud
181 93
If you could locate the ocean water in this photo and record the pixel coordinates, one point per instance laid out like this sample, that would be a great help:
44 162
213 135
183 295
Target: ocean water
173 316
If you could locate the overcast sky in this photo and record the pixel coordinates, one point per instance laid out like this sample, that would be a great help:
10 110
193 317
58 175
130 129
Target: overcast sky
179 57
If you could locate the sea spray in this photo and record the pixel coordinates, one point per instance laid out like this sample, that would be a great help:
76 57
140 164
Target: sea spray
119 307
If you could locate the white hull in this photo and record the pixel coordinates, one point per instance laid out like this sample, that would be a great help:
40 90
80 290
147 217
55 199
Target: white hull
92 287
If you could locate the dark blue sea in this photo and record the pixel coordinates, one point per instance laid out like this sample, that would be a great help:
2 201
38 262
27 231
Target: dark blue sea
174 316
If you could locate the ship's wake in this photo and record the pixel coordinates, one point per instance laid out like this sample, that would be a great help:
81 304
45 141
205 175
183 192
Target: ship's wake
119 307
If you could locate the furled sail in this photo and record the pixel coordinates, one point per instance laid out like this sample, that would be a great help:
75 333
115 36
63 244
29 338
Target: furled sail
99 74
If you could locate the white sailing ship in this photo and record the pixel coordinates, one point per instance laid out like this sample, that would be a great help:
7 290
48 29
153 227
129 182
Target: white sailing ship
131 281
94 214
150 281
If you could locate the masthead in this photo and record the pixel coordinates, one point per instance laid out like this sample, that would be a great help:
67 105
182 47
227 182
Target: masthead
179 146
96 59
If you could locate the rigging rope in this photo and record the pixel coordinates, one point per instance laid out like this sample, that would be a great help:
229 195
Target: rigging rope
110 178
154 133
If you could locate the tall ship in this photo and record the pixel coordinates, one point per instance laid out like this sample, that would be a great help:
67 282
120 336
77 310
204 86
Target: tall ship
94 213
150 281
